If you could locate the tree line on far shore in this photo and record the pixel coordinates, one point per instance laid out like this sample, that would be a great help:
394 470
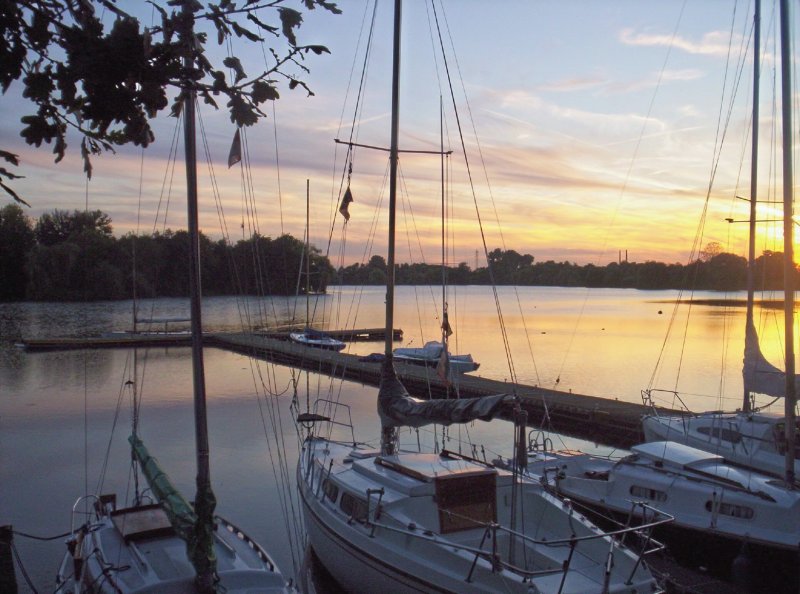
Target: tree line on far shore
713 270
74 256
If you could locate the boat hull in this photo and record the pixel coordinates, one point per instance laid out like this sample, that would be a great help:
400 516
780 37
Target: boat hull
430 354
750 440
318 342
136 551
401 552
714 518
355 569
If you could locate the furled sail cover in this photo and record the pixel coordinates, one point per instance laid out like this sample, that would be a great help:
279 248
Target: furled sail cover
761 376
397 409
197 535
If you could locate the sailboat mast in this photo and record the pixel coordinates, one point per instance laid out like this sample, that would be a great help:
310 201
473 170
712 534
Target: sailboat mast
751 243
788 241
393 163
389 432
204 506
308 253
444 255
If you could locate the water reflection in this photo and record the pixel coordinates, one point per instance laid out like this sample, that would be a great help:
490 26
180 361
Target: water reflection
58 409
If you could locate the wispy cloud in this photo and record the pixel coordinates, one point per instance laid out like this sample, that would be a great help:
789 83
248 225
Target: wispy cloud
714 43
574 84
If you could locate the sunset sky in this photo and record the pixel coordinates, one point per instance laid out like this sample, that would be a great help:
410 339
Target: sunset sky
599 126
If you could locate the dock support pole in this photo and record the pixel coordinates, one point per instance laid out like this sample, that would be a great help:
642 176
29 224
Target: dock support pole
8 580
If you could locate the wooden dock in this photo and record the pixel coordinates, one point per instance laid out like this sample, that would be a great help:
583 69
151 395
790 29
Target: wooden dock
121 340
602 420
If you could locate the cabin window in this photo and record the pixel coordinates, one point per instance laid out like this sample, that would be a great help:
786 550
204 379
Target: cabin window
721 434
734 511
466 502
354 507
331 490
647 493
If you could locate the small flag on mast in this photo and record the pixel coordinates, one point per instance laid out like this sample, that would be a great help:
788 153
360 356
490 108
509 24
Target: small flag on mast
344 209
236 150
446 329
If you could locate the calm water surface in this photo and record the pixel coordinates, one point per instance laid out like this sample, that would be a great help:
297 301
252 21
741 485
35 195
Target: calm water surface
62 414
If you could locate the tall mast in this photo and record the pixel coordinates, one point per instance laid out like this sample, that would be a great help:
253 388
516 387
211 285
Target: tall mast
308 254
444 253
393 162
445 321
388 434
788 241
202 554
751 253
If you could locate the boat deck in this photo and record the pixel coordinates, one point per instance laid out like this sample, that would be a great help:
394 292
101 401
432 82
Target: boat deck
602 420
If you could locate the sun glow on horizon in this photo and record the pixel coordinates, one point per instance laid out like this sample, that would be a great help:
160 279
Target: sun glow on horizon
578 160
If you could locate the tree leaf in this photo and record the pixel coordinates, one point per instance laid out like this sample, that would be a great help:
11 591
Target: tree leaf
234 64
263 91
9 157
290 20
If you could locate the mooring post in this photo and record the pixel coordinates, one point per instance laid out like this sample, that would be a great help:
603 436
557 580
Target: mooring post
8 580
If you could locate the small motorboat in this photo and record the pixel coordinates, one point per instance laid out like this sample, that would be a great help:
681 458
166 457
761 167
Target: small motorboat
315 338
430 355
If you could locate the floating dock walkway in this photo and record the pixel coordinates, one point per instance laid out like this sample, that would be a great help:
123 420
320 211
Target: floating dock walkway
601 420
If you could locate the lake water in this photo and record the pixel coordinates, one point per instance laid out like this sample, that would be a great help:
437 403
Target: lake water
60 419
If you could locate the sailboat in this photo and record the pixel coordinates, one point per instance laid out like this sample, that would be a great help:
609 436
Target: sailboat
723 513
389 520
748 437
436 354
716 506
309 336
169 546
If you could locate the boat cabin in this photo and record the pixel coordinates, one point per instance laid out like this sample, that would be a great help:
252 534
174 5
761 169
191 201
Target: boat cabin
464 491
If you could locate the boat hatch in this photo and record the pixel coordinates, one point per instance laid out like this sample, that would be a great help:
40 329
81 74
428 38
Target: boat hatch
466 501
428 467
144 521
359 454
669 453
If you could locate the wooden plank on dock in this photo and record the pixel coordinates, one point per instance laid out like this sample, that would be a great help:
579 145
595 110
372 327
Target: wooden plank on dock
121 340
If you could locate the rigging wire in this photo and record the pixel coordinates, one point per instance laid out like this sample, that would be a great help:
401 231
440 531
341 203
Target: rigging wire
272 421
490 192
723 122
503 329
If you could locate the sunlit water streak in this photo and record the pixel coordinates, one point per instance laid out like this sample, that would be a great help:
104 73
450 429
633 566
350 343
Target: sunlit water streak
57 409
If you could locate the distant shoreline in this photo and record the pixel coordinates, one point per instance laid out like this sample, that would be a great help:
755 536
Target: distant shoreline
763 303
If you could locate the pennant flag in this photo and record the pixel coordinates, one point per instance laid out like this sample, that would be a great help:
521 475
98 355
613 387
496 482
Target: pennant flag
236 150
446 329
345 206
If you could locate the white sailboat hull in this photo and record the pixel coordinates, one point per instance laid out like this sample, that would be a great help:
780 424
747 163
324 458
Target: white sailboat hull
399 546
703 494
318 341
135 550
752 440
352 565
430 354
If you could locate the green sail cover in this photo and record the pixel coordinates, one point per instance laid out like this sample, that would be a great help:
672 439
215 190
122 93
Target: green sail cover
199 535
